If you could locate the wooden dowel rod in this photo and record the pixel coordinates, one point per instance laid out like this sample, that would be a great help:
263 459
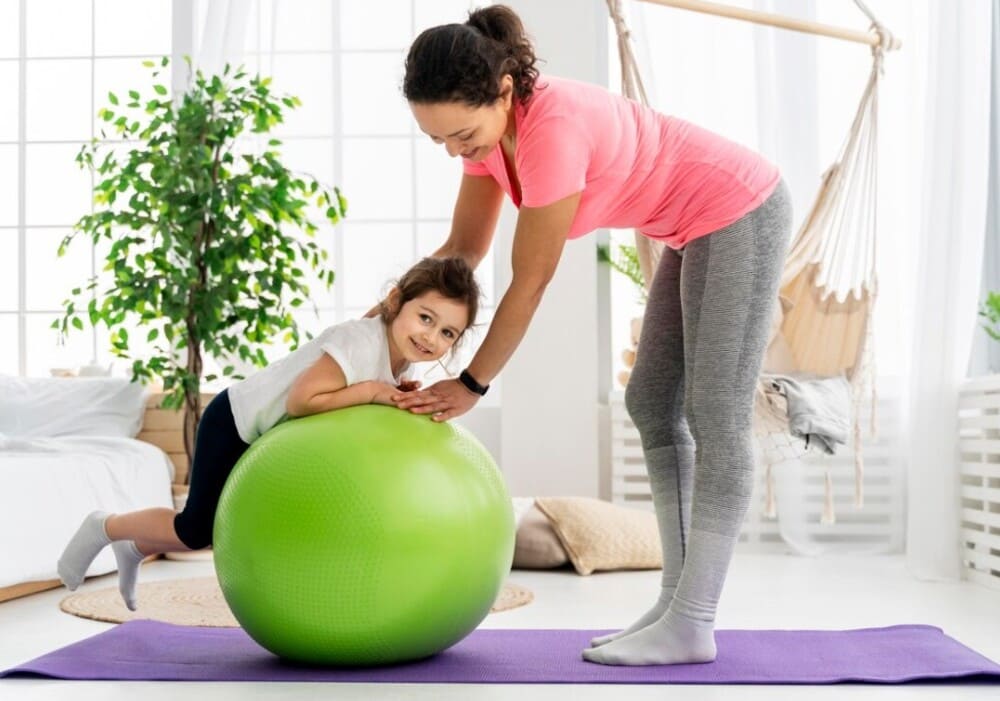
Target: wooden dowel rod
758 17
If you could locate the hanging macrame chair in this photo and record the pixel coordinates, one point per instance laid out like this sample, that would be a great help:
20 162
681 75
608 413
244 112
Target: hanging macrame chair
823 324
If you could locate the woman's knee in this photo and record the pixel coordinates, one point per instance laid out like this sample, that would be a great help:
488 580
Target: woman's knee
658 415
715 421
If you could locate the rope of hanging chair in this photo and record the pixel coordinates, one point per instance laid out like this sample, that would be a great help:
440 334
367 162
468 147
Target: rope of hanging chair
647 250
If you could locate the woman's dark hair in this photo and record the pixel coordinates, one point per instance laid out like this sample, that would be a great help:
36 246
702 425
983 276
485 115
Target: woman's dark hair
465 62
451 278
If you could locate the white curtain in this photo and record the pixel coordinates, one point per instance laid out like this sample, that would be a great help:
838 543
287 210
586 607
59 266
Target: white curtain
222 37
986 351
949 241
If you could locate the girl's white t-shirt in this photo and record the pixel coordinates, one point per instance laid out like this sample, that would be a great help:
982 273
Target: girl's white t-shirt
359 346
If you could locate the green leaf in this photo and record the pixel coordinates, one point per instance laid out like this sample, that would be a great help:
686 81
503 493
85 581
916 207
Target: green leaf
77 324
112 98
160 90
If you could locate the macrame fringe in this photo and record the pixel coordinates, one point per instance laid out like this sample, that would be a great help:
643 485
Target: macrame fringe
770 507
828 517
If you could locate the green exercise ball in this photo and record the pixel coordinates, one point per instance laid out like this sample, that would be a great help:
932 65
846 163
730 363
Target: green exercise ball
363 536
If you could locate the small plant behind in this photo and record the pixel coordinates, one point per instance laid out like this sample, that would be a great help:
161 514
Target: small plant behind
626 262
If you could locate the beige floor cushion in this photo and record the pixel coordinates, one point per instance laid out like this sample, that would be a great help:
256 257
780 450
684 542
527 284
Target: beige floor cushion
598 535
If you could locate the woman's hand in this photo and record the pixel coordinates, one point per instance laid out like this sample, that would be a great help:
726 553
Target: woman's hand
443 400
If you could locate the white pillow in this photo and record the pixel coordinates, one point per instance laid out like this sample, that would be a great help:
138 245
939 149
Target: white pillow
71 406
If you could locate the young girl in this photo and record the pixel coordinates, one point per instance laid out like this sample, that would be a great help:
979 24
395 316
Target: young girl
363 361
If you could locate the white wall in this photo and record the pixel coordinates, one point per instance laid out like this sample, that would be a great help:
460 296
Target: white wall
549 430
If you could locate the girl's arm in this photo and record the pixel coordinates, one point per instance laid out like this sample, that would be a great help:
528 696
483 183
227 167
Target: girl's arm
323 387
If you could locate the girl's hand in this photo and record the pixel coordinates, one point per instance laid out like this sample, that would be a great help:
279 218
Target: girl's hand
408 385
383 393
443 400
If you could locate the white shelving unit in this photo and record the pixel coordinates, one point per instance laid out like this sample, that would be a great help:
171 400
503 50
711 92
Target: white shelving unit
979 474
878 526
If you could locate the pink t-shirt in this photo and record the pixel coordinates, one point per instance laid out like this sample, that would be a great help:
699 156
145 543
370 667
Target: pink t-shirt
637 168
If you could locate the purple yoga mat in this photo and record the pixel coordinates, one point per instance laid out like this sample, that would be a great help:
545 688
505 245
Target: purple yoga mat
150 650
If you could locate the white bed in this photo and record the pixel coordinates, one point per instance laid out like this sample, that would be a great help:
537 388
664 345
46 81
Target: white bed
50 484
66 450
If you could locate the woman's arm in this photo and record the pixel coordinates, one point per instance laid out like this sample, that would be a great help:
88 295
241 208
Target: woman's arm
323 387
538 243
474 220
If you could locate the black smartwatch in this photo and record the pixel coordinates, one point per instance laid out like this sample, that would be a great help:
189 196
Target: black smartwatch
470 383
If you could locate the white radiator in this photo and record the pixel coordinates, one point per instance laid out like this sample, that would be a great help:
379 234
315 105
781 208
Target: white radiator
878 526
979 471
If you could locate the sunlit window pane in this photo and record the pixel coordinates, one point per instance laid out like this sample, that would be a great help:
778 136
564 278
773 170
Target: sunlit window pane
374 256
377 178
56 189
374 25
437 179
9 345
9 185
57 96
429 14
313 157
431 236
58 28
51 277
308 28
8 88
46 351
373 102
8 271
308 78
9 28
127 27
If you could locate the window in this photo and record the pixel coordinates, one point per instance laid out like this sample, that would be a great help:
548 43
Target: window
344 60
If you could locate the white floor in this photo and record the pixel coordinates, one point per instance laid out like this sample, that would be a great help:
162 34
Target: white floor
763 591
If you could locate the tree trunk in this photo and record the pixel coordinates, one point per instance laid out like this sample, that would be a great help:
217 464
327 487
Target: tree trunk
192 406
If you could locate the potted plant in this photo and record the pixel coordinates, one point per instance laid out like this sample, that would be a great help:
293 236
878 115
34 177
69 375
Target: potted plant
990 310
209 237
626 262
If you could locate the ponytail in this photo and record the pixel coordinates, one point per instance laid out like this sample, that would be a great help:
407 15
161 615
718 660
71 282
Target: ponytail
466 62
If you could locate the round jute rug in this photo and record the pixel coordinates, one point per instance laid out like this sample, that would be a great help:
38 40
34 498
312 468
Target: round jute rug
199 602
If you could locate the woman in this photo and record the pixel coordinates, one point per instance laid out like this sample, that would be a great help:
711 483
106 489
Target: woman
574 157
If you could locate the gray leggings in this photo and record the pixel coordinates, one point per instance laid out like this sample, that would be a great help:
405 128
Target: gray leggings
700 352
